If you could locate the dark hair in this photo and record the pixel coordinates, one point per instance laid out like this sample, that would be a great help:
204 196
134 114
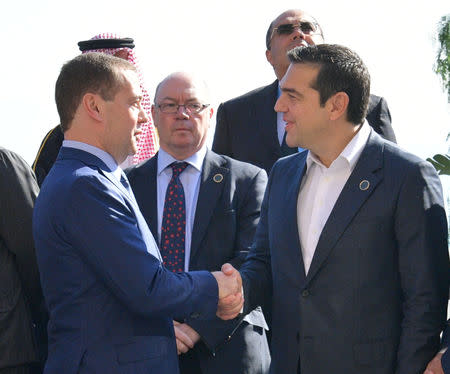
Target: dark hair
340 70
92 72
272 24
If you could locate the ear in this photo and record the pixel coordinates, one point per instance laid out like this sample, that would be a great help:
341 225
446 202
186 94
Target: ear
92 106
269 56
337 105
211 112
153 109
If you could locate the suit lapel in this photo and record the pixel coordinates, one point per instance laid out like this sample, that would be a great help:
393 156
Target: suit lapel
360 185
211 186
144 187
289 224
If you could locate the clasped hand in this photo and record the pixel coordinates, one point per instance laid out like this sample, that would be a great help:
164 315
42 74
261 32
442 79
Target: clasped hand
230 292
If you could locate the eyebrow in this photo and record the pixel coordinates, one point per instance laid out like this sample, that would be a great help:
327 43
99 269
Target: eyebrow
175 100
291 90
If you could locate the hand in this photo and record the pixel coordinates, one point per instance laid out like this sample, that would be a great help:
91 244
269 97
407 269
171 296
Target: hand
230 292
435 366
186 337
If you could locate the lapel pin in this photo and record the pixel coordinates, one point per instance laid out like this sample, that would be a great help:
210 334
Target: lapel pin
364 185
218 178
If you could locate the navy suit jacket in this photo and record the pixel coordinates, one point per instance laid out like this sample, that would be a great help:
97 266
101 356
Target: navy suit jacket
110 300
375 297
226 217
246 126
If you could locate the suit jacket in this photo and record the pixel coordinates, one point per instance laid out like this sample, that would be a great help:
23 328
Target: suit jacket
22 311
375 297
110 300
226 217
47 154
246 127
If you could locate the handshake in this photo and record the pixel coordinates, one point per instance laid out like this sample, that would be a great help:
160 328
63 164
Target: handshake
231 298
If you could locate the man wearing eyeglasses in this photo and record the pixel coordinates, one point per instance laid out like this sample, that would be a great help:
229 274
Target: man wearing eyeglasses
204 209
249 129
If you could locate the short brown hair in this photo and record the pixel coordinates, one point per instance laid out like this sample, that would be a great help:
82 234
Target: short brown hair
93 72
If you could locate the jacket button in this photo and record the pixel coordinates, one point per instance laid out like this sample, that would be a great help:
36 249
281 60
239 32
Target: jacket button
305 293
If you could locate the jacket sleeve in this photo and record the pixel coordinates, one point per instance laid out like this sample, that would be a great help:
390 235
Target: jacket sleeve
421 234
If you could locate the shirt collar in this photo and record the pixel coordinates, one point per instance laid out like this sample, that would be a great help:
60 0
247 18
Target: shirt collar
196 160
100 153
351 152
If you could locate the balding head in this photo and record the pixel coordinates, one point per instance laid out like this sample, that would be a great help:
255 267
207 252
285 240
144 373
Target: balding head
181 114
290 29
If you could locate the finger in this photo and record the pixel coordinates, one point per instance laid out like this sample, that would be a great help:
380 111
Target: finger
181 347
228 269
183 337
230 300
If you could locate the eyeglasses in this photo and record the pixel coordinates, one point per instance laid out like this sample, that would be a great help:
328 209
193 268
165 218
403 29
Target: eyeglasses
172 108
306 27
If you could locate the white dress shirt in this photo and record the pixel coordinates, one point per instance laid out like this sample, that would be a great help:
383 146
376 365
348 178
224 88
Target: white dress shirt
190 179
319 190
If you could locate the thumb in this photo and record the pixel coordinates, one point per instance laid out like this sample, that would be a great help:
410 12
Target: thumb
228 269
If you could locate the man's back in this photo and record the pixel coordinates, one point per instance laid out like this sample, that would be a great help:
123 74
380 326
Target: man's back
93 252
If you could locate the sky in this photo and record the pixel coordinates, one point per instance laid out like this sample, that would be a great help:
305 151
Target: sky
223 42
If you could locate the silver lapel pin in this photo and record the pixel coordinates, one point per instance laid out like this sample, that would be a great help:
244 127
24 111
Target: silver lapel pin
364 185
218 178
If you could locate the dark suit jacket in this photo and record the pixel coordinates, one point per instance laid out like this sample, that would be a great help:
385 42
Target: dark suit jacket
22 311
110 300
225 222
246 126
375 296
47 154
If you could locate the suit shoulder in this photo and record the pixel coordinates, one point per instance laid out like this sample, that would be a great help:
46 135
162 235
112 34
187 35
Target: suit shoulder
252 95
10 159
240 168
141 168
400 163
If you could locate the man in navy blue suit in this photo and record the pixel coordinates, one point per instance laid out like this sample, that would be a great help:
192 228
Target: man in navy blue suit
110 300
352 239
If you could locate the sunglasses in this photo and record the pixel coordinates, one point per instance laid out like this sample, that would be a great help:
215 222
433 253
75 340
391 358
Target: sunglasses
306 27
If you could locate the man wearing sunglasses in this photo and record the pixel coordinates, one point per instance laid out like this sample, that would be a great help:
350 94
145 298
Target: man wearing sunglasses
249 129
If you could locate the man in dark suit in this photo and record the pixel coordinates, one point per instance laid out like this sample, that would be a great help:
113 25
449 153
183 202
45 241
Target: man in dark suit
223 200
22 311
249 129
110 299
352 240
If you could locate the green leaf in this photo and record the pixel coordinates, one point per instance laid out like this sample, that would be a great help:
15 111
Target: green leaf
441 163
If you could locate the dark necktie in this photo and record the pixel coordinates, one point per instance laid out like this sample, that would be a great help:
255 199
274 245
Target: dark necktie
173 225
285 149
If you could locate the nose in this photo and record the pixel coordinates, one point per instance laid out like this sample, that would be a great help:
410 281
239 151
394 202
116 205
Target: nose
182 111
143 117
279 105
297 33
